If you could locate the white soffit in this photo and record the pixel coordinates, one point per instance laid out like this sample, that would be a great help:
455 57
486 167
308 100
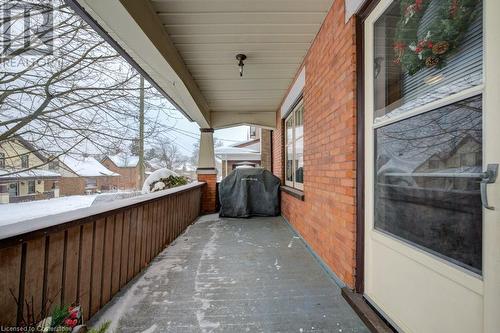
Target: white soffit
274 35
294 94
117 22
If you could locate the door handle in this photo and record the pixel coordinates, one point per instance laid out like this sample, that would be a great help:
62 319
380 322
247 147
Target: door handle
488 177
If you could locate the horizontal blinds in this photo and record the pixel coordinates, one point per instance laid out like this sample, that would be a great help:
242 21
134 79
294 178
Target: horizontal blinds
465 64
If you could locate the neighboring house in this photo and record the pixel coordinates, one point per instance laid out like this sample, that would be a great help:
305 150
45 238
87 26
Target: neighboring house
128 169
186 170
253 152
84 175
24 174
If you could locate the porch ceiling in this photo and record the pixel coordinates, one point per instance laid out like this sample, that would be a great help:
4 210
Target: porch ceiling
200 39
274 35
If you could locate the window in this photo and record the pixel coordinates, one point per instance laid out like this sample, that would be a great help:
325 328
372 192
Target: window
417 61
253 132
25 161
2 160
31 187
428 128
54 163
294 148
90 183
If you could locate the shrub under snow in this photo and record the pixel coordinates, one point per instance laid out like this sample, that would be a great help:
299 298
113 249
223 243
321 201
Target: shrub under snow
162 179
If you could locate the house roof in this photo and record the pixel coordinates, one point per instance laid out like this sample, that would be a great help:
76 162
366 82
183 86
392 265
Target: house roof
246 143
237 154
124 161
28 145
86 166
27 174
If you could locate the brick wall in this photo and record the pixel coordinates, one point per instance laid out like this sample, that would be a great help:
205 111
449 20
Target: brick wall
265 148
208 193
108 183
128 179
72 186
326 217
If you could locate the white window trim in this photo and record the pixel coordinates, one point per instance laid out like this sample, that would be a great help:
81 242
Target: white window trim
293 144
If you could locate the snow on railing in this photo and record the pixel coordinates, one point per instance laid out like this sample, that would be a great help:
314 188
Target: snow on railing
87 255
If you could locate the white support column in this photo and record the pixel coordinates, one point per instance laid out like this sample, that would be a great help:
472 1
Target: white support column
207 171
206 154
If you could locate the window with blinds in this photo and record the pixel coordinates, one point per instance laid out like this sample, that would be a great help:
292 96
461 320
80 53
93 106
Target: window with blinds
398 91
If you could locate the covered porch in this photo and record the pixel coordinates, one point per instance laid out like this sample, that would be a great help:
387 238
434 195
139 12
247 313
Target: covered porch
233 275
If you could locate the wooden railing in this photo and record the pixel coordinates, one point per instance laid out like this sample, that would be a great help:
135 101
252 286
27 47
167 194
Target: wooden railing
88 255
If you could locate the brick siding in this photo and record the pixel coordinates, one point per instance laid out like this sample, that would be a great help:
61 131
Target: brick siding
326 217
128 179
72 186
209 193
265 149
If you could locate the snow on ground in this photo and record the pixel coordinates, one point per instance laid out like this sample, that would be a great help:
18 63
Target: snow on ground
16 212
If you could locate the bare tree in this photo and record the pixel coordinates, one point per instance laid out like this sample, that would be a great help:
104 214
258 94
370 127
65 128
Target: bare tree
167 153
80 97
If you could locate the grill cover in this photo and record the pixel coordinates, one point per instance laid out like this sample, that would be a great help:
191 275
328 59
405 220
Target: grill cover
249 192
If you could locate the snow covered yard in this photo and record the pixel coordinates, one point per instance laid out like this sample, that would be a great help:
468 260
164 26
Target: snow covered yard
16 212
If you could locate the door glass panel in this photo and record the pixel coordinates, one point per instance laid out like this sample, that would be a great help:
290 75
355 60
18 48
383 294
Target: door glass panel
425 50
427 181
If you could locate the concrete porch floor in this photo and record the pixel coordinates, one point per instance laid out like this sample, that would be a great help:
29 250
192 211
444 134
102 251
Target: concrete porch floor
232 275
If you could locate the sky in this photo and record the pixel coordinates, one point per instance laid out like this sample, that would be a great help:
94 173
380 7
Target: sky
186 133
183 132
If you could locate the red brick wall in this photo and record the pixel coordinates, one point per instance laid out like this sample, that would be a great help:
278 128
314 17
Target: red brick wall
72 186
128 179
326 217
208 193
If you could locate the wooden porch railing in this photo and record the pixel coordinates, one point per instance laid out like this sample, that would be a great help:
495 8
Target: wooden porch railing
87 255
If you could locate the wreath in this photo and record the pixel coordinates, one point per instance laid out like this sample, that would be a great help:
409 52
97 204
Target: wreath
444 34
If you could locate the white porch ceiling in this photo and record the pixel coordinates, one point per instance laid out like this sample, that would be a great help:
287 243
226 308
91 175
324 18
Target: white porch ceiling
189 46
274 35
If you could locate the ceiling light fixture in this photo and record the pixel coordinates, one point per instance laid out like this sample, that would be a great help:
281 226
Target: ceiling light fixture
240 57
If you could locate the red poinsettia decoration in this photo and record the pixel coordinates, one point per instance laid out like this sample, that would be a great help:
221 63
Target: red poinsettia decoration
70 322
418 5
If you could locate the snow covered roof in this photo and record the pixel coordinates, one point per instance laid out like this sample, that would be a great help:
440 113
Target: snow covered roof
251 144
86 166
125 161
237 154
33 173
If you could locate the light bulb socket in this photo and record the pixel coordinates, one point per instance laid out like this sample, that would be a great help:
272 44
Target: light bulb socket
241 57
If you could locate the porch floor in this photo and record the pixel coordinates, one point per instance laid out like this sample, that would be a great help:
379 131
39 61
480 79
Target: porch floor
232 275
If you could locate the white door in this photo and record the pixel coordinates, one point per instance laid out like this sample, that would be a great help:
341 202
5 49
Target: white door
432 112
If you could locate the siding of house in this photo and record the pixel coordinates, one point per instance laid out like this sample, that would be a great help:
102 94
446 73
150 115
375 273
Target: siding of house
13 149
326 217
265 149
72 186
128 179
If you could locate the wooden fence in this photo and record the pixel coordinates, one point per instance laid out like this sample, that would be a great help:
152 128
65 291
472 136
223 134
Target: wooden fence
87 256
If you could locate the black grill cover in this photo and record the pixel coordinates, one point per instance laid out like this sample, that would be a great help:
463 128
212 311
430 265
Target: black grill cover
249 192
